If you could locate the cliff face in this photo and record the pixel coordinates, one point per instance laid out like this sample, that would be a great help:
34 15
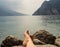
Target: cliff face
51 7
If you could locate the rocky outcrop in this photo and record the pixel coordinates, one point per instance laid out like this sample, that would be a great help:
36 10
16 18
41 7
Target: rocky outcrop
57 41
51 7
11 41
44 36
17 46
47 45
38 42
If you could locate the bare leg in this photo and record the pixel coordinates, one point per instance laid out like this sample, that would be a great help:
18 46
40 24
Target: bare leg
28 40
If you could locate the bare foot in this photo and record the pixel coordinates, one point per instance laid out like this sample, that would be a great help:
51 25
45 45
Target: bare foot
28 40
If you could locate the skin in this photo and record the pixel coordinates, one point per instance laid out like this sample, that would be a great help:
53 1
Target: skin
28 40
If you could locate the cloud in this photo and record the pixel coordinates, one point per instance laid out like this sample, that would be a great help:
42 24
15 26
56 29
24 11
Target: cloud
8 7
10 3
23 6
29 6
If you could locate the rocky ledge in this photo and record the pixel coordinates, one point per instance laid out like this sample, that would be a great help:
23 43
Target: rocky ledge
44 36
11 41
41 38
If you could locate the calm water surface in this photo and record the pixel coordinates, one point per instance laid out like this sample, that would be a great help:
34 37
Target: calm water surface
16 25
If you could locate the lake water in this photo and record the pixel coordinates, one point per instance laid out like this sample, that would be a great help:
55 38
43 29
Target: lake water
16 25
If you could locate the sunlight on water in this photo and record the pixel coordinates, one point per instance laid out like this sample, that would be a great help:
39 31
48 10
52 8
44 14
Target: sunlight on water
29 20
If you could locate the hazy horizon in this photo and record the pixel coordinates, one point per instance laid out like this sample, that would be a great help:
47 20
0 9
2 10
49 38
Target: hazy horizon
21 6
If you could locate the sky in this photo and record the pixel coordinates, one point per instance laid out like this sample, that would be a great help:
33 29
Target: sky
22 6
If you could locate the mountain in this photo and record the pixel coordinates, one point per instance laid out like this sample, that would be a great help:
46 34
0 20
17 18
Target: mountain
51 7
8 12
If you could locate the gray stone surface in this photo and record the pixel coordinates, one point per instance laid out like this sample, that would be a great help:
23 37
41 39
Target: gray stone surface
44 36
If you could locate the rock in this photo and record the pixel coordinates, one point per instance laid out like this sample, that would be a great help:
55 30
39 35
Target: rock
16 46
49 45
57 41
11 41
38 42
44 36
58 36
50 7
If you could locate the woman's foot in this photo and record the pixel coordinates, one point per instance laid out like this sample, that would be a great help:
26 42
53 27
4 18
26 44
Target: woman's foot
28 40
